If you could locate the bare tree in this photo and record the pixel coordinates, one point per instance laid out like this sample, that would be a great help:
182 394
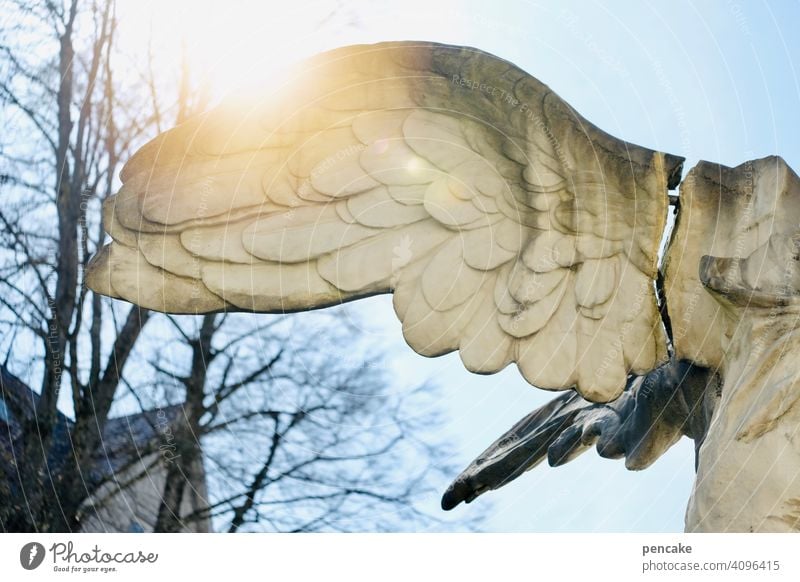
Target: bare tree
294 436
57 94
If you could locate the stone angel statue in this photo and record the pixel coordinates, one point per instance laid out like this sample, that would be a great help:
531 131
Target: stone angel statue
508 228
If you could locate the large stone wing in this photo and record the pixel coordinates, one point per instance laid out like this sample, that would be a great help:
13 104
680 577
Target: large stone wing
508 227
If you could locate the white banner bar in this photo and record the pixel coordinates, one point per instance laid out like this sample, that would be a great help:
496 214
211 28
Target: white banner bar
401 557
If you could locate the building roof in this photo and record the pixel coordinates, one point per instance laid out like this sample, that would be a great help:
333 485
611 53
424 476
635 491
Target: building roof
125 439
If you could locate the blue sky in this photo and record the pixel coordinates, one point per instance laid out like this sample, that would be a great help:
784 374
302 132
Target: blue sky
706 80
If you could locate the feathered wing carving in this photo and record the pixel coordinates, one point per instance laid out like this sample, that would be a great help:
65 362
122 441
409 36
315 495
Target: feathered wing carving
508 227
655 410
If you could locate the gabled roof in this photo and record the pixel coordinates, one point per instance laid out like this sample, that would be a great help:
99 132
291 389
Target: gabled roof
125 438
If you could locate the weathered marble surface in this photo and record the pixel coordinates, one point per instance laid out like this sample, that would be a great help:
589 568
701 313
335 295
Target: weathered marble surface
510 229
733 291
748 476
